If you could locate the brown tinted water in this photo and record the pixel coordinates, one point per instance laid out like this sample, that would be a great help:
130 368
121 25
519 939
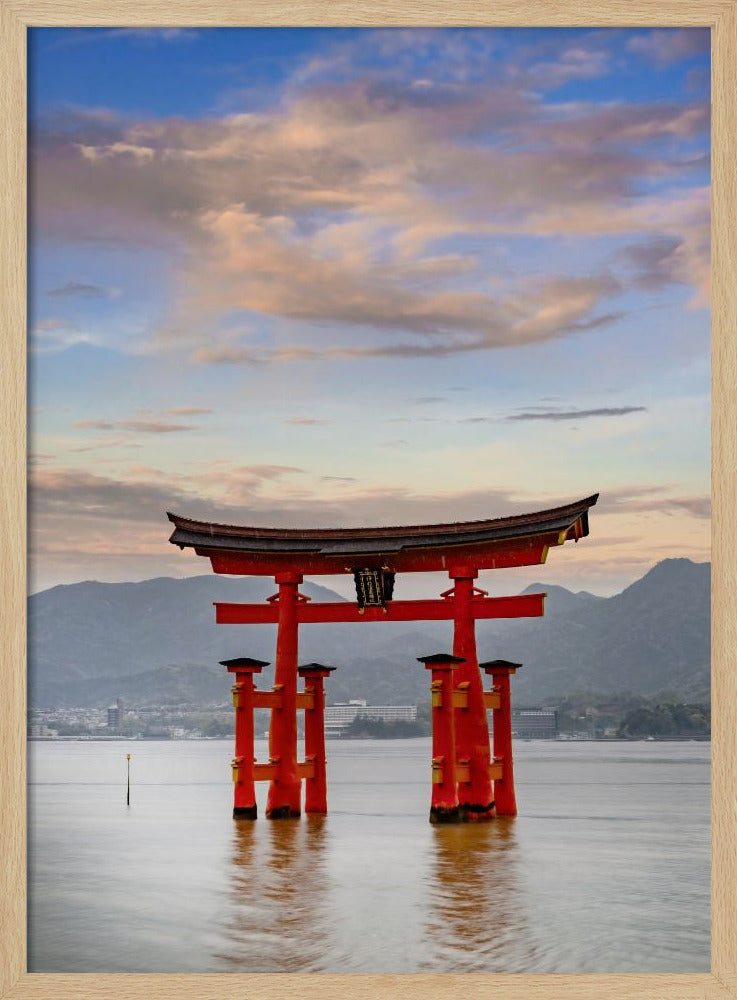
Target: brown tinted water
606 869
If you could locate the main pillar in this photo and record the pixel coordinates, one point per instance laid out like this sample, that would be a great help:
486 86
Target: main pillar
244 791
285 790
444 800
475 798
316 789
501 671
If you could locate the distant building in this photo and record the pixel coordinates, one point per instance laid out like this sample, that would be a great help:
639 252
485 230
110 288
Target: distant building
40 731
534 723
339 716
115 714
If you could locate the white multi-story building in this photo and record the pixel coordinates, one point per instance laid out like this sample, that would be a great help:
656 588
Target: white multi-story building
534 723
338 717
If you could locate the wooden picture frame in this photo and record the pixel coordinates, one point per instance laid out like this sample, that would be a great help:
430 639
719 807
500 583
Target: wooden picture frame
15 17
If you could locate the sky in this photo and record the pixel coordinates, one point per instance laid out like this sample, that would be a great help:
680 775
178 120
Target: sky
336 277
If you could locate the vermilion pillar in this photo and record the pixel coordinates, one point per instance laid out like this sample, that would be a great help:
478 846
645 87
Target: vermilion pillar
316 789
244 791
501 671
285 790
444 801
475 798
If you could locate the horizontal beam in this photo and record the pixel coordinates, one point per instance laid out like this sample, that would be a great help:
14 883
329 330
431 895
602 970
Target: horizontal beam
463 771
522 606
275 699
529 550
492 700
496 769
270 771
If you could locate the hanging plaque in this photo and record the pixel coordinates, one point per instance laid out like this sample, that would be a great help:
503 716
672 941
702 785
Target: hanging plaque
374 587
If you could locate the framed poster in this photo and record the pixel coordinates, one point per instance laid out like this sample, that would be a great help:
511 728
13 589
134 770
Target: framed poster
287 272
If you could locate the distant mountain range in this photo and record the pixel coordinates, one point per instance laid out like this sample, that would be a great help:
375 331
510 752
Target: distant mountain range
156 642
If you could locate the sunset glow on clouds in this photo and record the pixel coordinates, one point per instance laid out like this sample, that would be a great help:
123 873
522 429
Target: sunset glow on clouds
317 277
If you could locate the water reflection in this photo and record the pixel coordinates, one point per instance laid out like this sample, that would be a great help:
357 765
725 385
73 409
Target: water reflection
476 920
277 918
605 870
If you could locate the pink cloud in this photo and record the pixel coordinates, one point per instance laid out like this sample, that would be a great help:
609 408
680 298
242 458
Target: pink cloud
117 525
670 45
329 208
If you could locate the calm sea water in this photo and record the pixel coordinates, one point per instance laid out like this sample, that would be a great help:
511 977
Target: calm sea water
606 869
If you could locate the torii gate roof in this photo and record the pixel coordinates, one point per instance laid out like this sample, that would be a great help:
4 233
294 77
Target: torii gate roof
254 550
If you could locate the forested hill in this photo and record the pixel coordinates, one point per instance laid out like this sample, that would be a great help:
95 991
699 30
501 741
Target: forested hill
156 641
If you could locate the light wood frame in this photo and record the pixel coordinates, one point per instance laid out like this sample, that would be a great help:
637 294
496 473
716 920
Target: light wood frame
15 17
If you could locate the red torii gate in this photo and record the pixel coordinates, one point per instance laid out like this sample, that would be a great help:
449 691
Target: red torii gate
463 768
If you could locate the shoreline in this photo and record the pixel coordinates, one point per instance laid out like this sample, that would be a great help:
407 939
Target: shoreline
211 739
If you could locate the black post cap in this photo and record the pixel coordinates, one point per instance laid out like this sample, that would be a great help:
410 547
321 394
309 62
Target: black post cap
490 664
244 661
441 658
304 667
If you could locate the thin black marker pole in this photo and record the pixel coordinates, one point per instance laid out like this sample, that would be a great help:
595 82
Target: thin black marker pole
128 793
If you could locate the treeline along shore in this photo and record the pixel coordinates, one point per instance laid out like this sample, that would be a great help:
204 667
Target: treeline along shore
578 716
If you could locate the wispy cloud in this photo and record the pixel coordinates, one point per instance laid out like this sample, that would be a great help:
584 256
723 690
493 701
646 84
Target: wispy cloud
447 324
106 445
94 511
576 62
140 426
76 497
270 471
155 426
53 335
77 289
658 499
604 411
145 36
95 425
147 421
673 259
670 45
155 34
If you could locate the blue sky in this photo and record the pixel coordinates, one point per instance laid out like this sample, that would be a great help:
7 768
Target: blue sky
356 276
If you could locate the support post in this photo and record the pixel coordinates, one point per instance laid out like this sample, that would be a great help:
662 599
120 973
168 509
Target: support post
316 789
284 797
501 671
475 798
444 799
244 790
